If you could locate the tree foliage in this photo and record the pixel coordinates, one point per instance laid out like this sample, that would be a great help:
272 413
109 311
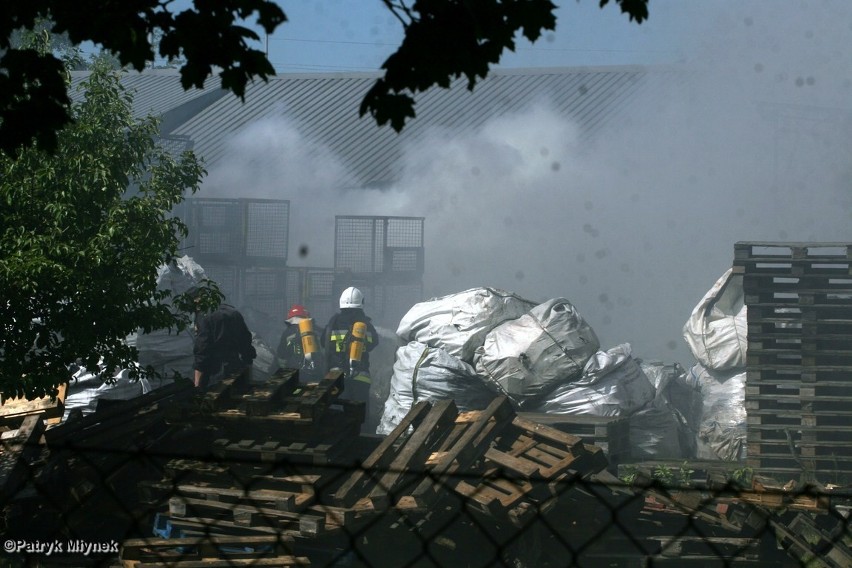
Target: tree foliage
447 39
444 40
83 231
33 101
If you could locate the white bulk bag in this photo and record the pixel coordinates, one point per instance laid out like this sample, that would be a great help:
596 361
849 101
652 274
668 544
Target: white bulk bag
656 432
722 430
527 357
612 384
717 329
459 322
420 373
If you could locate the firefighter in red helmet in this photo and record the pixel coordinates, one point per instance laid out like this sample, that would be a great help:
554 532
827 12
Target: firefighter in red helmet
299 347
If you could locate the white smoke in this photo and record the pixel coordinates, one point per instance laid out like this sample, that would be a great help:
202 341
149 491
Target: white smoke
748 140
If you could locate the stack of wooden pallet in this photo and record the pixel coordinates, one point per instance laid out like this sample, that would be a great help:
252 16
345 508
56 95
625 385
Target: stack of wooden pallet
799 366
279 420
22 423
490 463
761 524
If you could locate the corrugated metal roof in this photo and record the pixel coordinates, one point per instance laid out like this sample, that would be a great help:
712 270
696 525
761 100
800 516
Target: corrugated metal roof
324 108
155 91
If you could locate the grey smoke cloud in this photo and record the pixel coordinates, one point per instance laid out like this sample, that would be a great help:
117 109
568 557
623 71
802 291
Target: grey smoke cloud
748 140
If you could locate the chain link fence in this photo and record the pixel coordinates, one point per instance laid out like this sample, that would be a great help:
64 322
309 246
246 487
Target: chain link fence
278 475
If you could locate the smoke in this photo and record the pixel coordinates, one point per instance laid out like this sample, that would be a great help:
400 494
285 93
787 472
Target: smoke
748 139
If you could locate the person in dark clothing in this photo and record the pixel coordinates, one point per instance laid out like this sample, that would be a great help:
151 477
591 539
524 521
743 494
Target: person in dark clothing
223 346
299 347
347 327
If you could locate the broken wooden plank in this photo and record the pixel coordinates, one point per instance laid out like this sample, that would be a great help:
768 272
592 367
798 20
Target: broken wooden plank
470 439
238 515
222 524
311 400
205 550
262 399
830 550
228 562
250 451
13 409
179 390
350 491
206 546
244 475
281 500
14 469
224 394
413 453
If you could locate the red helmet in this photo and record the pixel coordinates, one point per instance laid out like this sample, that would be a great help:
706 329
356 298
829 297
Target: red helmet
297 311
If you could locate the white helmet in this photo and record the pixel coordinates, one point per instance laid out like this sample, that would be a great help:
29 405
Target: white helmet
352 298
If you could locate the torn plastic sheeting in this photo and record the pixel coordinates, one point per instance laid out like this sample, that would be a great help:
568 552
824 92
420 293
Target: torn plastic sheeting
527 357
727 443
420 373
717 329
614 386
165 351
458 323
85 389
265 363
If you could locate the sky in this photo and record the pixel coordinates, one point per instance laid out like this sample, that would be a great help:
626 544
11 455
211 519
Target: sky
634 227
358 35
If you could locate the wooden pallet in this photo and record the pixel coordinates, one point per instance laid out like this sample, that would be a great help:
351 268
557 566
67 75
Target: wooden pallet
824 286
788 327
204 518
529 467
115 421
17 447
839 318
800 357
799 434
283 409
272 451
810 405
13 410
799 360
466 442
210 551
501 464
394 448
610 433
790 374
758 255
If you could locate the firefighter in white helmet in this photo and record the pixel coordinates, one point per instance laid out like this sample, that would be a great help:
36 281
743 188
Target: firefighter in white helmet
348 339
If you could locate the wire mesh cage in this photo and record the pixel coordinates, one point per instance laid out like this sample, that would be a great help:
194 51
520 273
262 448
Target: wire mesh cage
379 245
314 289
246 232
267 229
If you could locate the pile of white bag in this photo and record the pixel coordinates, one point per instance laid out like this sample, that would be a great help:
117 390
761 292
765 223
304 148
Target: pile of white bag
485 342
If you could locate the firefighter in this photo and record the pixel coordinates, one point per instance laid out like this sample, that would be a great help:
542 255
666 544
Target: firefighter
348 339
223 344
299 347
